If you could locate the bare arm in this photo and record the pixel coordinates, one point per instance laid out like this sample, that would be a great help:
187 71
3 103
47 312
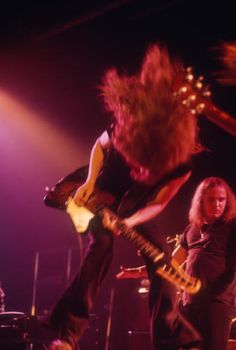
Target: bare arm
156 206
95 165
97 157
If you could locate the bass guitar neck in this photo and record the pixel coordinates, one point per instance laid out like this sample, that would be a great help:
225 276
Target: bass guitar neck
81 215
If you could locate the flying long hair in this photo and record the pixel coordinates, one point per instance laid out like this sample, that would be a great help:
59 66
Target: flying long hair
227 56
152 126
196 214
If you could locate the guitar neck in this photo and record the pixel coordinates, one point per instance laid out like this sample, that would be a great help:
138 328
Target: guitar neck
140 242
221 118
145 246
81 216
174 274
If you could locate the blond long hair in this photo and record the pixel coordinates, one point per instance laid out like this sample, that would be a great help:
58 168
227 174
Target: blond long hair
196 214
152 127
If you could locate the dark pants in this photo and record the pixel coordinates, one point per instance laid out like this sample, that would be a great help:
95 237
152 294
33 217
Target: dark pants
213 320
169 329
70 316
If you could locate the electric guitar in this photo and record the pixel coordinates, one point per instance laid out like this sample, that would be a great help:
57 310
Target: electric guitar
98 204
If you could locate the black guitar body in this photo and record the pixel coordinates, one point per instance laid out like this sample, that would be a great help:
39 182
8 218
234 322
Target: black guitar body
57 196
101 201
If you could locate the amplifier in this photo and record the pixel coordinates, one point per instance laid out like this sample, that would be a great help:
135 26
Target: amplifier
13 334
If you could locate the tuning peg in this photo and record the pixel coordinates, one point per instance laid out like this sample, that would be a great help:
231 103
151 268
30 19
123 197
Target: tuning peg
199 84
206 92
189 77
183 90
192 98
189 69
189 74
199 108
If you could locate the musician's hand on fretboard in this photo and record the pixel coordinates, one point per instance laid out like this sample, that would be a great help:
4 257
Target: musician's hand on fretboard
111 223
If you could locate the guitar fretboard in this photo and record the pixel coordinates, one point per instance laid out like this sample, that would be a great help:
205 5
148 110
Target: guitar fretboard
174 274
137 239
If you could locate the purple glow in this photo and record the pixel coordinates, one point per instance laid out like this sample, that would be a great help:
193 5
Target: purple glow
34 153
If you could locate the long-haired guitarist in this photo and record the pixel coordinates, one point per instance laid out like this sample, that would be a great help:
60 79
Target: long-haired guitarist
142 159
209 247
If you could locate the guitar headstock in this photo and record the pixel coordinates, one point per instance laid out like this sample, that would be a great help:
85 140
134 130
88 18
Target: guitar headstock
192 92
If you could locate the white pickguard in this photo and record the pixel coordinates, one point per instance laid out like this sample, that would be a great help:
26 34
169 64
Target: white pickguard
79 215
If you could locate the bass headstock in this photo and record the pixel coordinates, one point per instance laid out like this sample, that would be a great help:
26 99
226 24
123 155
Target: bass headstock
192 92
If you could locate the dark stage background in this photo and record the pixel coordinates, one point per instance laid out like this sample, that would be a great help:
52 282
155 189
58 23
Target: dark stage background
52 58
